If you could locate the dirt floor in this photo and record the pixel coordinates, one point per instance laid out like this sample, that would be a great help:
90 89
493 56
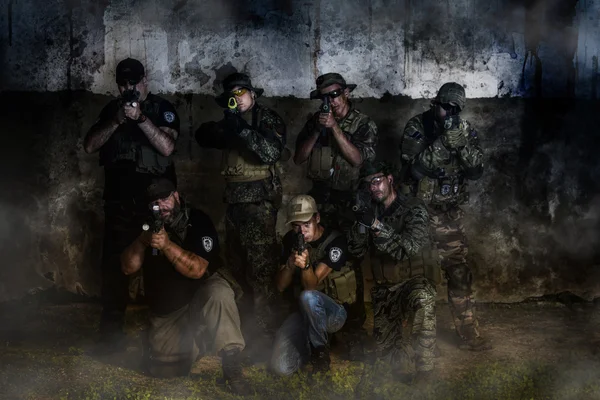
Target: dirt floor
542 350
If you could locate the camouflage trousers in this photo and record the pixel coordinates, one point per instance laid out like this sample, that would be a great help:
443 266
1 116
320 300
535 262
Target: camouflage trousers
251 253
453 248
405 324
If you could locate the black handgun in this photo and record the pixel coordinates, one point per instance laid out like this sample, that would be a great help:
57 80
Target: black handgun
299 243
130 97
362 203
325 109
156 223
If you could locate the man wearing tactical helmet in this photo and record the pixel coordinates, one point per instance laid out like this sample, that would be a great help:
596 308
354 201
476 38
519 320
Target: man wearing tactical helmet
440 154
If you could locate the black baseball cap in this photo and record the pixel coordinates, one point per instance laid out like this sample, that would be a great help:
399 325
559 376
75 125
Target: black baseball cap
129 70
159 189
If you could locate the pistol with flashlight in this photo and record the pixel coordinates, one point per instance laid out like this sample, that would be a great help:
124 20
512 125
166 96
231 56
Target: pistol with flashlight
155 223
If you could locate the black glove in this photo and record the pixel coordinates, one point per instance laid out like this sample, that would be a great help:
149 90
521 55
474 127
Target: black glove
234 122
366 217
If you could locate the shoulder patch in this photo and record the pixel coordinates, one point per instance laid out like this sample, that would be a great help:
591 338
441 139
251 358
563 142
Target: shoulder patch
335 253
169 116
416 135
207 243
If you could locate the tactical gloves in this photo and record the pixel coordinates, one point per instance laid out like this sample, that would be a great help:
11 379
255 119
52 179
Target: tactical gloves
365 217
234 122
454 138
455 134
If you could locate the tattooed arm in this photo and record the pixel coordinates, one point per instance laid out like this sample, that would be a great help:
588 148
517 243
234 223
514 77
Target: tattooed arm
185 262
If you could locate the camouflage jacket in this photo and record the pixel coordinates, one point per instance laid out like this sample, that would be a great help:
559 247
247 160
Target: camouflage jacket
413 235
333 170
438 174
264 138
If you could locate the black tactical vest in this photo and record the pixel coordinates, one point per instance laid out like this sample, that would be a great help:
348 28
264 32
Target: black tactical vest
129 143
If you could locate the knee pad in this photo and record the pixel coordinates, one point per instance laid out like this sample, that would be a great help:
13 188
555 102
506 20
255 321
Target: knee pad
459 278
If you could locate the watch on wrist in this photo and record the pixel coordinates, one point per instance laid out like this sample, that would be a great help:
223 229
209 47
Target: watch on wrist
141 118
306 267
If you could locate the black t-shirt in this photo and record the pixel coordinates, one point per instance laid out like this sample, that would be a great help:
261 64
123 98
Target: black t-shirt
165 288
122 181
335 255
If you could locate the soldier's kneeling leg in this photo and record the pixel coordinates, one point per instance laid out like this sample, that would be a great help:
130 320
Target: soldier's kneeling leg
170 347
462 306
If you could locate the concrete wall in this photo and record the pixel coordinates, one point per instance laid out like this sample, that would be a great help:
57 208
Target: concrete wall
533 218
406 47
534 215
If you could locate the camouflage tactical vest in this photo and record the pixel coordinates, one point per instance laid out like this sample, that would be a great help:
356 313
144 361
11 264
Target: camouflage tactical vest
387 270
339 285
326 163
242 165
451 187
129 143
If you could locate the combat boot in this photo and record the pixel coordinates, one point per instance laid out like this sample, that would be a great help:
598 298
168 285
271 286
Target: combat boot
233 375
320 359
470 340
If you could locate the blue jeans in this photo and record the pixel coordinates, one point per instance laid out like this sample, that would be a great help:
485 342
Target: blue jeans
319 314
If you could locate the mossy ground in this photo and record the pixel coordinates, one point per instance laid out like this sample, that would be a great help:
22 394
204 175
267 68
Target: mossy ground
540 351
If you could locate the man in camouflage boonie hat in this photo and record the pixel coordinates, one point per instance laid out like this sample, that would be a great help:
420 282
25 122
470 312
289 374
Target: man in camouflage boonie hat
335 142
252 138
441 152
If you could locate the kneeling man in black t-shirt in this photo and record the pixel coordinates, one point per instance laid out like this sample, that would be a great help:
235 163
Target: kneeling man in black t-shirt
191 296
314 266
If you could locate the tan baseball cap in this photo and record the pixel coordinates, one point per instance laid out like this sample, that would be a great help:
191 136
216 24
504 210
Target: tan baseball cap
301 208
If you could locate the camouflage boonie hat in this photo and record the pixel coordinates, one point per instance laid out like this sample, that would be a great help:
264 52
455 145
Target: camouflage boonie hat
301 208
374 167
452 93
233 80
329 79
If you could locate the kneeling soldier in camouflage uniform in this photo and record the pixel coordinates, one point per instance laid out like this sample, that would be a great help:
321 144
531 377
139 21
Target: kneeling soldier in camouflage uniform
394 230
441 153
191 297
314 264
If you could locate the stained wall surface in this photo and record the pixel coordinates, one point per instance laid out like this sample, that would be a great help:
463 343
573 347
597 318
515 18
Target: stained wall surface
530 69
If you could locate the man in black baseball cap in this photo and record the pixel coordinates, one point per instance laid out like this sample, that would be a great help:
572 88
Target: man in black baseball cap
129 71
135 135
191 296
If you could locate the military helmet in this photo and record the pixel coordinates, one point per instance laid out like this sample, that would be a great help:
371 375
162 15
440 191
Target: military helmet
452 93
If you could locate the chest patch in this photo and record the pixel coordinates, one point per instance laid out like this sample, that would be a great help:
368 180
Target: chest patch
169 116
334 254
207 242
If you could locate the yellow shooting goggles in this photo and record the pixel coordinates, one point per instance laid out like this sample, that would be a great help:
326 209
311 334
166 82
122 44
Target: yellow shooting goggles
239 92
